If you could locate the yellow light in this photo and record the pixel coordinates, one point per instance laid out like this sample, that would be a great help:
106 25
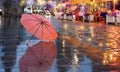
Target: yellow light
40 2
22 2
100 44
115 1
89 39
65 26
110 56
82 28
102 4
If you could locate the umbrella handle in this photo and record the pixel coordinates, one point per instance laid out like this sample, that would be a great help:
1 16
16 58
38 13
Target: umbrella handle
27 43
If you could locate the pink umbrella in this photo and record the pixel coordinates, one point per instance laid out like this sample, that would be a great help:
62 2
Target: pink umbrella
39 27
38 58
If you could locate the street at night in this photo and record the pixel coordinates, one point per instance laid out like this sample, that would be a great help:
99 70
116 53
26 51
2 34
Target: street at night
59 35
81 46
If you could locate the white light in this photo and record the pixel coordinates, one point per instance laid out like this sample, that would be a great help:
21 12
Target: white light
40 2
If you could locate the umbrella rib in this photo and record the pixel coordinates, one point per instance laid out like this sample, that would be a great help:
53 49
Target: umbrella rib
47 25
37 18
48 29
42 25
34 20
33 27
38 27
30 19
40 20
35 32
42 31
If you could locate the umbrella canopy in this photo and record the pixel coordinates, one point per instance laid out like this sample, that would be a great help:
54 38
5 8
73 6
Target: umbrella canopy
38 58
39 26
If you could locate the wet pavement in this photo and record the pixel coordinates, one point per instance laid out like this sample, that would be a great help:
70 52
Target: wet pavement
81 47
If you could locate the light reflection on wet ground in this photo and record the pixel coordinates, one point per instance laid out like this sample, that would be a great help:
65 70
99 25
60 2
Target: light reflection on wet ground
81 47
100 44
